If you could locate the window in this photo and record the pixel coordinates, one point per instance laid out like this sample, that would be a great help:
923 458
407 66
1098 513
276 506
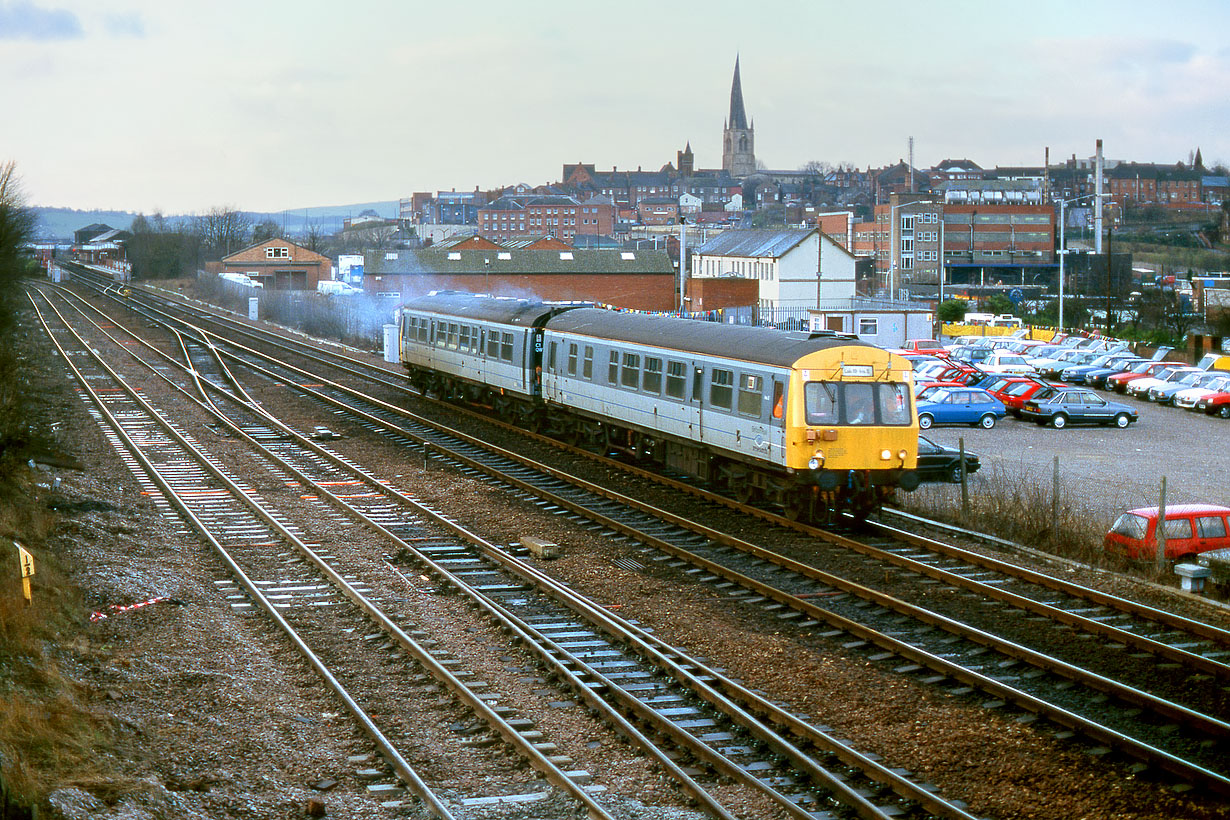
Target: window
751 395
441 334
463 340
424 331
588 367
676 380
868 326
907 222
503 255
859 403
506 347
1211 526
452 336
907 245
631 375
652 382
277 253
454 255
551 357
572 360
1178 528
612 370
493 345
721 388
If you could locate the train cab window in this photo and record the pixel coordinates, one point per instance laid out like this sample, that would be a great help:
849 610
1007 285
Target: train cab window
551 357
894 403
493 345
751 395
587 367
859 403
652 382
676 380
631 375
612 369
572 360
506 347
721 388
820 399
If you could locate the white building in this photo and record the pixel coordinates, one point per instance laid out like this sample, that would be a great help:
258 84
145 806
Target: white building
797 270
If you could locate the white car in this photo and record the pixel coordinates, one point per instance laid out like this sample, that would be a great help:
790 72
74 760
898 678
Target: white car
1012 364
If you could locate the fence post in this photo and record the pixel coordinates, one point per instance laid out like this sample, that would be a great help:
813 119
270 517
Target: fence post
1161 528
1055 505
964 483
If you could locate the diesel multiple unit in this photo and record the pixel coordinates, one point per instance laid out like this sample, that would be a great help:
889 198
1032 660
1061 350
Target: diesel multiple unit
813 423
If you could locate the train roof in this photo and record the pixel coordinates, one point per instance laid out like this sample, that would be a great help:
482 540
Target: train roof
764 345
521 312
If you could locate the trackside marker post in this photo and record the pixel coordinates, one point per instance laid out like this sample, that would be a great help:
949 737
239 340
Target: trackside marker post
26 561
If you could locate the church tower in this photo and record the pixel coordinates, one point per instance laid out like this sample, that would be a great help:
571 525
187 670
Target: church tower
738 138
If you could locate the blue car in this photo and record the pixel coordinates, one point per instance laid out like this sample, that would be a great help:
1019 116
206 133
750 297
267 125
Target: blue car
1079 374
960 405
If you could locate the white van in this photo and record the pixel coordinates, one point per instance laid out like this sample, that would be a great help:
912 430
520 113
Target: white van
333 287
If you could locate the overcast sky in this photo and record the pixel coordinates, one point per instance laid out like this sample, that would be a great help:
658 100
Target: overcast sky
273 105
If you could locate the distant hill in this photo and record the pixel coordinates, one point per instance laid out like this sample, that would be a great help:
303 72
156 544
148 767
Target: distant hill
58 224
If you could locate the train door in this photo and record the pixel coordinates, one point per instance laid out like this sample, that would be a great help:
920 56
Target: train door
531 376
698 399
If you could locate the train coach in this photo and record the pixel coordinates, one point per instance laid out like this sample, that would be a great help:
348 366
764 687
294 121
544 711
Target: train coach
812 423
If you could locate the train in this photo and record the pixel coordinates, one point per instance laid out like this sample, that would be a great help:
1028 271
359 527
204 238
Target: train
815 424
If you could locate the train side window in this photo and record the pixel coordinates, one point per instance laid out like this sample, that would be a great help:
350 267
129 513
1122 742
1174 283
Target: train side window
572 360
452 336
612 369
463 339
652 382
493 345
751 395
424 331
441 334
676 381
587 368
551 357
506 347
631 376
721 388
779 400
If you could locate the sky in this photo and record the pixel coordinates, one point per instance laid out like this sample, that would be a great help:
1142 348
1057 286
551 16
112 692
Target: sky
270 105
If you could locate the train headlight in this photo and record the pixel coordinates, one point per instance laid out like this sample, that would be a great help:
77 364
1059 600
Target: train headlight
902 454
816 461
886 455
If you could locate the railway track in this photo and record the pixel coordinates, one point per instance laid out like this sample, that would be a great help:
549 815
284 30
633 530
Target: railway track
1169 736
712 718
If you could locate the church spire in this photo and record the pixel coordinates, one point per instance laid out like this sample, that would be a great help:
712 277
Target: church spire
738 117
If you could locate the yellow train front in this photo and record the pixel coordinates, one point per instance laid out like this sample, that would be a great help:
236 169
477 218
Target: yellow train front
813 423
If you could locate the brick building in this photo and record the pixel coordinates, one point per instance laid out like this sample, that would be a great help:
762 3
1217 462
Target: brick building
278 264
553 215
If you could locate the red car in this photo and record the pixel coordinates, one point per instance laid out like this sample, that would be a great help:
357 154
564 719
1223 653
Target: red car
1119 381
929 346
1014 391
1217 404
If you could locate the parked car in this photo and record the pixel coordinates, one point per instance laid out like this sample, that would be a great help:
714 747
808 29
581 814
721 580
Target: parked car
1190 530
1098 377
1217 404
1075 374
1075 405
938 462
1139 388
1062 360
960 405
1004 362
929 346
1019 390
971 354
1192 386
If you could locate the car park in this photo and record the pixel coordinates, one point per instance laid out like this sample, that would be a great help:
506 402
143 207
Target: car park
938 462
1190 529
1075 405
960 405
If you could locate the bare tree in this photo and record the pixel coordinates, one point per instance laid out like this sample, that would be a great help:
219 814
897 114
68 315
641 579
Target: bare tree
223 230
17 220
269 229
313 235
